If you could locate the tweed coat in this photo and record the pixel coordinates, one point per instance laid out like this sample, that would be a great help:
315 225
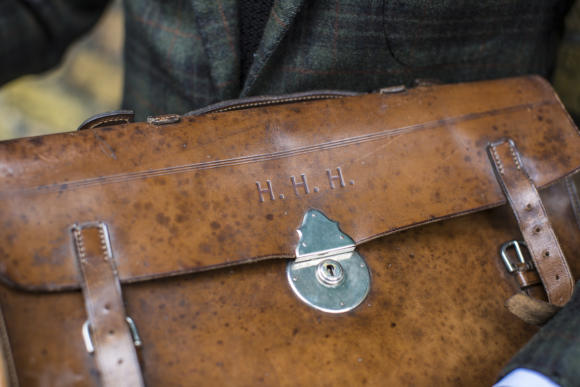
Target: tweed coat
181 55
184 54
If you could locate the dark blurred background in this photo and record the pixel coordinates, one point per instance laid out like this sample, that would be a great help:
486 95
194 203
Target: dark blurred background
89 81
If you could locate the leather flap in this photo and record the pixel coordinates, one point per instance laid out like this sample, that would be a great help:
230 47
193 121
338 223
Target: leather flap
229 188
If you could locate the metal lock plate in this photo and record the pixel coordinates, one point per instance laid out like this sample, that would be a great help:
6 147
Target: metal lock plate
327 274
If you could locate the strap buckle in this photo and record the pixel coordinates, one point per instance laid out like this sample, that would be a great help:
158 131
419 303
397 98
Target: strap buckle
88 339
511 267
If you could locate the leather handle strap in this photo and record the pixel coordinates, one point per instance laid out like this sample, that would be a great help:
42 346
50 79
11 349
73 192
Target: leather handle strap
534 224
114 350
8 376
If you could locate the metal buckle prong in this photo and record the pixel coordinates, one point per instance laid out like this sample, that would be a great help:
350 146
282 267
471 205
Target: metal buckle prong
521 258
86 331
87 337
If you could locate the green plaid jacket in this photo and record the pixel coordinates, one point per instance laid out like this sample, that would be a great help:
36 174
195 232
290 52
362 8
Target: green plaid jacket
181 55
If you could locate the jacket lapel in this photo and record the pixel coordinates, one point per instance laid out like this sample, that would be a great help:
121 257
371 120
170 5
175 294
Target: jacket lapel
282 16
217 21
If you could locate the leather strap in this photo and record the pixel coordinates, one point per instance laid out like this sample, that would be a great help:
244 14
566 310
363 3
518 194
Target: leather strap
534 224
8 376
100 120
529 281
114 350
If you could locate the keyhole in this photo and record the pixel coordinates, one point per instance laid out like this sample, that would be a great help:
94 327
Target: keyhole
330 273
330 270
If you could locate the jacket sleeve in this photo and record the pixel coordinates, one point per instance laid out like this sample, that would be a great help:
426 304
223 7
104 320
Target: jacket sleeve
34 34
555 350
567 73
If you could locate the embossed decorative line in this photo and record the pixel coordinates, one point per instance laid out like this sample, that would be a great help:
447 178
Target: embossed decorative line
119 178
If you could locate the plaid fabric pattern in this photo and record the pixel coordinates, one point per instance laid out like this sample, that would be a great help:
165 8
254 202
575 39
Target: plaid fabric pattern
358 45
567 74
184 54
555 350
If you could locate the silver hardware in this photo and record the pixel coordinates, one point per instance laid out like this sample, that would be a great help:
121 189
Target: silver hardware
521 258
88 339
164 119
328 274
86 331
393 89
320 237
134 333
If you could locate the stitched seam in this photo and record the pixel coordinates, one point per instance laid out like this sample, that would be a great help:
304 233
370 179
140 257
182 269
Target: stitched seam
113 119
80 245
497 160
515 157
103 240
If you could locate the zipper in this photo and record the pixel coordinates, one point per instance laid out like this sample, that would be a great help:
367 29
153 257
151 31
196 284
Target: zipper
242 106
261 101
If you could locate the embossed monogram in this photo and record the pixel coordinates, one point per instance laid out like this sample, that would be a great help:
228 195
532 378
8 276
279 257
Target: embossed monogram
301 187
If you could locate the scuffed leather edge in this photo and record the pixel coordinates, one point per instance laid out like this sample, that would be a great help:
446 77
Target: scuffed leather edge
137 279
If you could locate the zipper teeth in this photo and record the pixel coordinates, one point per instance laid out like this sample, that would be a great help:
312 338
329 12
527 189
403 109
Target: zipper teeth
276 101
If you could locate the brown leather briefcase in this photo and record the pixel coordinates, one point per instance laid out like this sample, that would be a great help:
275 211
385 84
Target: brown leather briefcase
298 240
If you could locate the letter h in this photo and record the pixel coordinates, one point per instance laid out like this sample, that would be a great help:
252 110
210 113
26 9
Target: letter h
303 184
332 178
262 191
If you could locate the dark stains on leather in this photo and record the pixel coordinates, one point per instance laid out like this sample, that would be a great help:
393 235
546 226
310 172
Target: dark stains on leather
36 141
193 210
182 218
159 180
162 219
205 247
228 233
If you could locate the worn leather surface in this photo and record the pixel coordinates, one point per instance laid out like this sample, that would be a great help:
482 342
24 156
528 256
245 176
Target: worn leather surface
435 316
114 352
182 198
185 202
535 226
